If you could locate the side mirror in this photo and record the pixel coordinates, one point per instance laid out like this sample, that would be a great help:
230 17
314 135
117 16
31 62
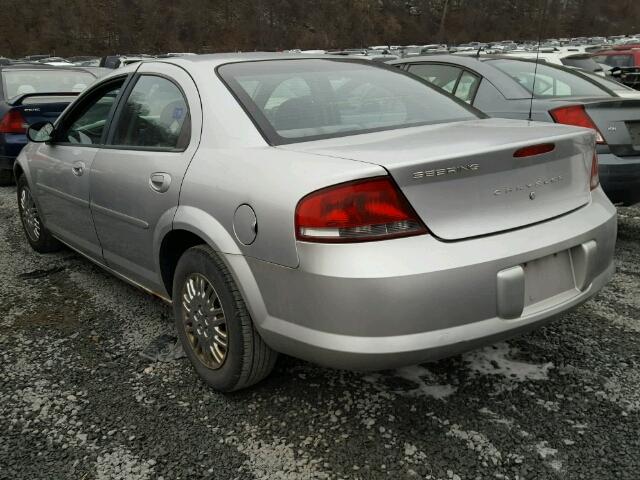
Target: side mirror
40 132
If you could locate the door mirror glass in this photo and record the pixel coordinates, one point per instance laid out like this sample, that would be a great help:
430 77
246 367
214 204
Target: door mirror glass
40 132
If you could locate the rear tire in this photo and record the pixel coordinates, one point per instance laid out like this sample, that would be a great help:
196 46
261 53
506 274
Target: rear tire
37 235
6 178
214 325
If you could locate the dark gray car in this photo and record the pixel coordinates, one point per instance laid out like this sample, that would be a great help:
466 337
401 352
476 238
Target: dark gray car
502 87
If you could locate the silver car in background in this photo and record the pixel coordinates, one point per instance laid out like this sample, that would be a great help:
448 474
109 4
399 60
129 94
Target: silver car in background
333 209
503 86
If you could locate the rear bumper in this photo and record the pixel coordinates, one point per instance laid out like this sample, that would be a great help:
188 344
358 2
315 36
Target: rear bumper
386 304
620 178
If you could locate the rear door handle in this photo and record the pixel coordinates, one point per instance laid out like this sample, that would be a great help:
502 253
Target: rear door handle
160 182
78 169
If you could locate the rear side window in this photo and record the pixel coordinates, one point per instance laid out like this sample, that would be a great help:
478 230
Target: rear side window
548 81
443 76
154 115
467 86
301 100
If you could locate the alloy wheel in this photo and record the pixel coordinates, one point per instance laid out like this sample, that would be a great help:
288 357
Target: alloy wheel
204 321
29 214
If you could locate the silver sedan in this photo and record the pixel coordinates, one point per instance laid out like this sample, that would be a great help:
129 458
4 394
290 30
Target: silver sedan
333 209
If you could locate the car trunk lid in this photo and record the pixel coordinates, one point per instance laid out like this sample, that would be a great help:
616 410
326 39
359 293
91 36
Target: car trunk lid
618 120
463 179
42 106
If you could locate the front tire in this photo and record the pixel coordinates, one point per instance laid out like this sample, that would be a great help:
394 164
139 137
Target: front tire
214 325
37 235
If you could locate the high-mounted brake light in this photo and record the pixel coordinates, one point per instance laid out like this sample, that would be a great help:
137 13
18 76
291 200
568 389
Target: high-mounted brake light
595 177
534 150
578 116
13 122
359 211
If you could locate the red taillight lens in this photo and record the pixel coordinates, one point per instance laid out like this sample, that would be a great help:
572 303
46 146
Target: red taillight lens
13 122
534 150
595 177
372 209
576 115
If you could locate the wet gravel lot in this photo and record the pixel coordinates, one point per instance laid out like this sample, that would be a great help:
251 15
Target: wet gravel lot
78 401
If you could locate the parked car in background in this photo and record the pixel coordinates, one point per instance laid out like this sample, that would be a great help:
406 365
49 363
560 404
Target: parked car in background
55 61
626 56
32 93
566 58
329 208
501 86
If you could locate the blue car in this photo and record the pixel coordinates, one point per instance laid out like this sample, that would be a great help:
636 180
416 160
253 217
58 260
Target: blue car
32 93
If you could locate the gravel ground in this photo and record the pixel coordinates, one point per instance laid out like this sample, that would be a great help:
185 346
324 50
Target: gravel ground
78 401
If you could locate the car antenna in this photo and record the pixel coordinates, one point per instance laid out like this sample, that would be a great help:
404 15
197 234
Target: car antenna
535 71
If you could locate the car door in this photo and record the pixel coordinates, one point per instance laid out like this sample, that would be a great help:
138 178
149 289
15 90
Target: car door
136 177
61 169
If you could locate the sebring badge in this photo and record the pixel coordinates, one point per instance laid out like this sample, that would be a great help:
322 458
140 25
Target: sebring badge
438 172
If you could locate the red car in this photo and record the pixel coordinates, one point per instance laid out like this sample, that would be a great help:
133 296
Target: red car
624 61
621 56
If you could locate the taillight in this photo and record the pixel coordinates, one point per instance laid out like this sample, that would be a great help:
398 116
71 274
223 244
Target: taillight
13 122
576 115
534 150
595 177
359 211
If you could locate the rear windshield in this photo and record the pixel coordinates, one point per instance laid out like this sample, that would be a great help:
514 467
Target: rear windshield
302 100
615 60
549 81
20 82
586 63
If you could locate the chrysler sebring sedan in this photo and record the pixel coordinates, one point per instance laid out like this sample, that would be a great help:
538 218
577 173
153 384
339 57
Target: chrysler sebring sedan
337 210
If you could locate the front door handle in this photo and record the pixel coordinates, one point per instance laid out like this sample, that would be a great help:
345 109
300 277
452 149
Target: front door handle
78 169
160 182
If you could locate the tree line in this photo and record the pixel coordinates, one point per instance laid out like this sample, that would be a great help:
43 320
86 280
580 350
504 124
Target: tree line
98 27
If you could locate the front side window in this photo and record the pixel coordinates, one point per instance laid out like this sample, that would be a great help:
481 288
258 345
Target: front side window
155 115
443 76
301 100
86 124
548 81
20 82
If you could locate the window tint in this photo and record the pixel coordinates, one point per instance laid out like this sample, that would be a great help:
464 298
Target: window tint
86 124
298 100
444 76
467 86
549 81
154 115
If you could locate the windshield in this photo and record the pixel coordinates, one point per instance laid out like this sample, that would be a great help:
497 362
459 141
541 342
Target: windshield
20 82
586 63
615 60
549 81
300 100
